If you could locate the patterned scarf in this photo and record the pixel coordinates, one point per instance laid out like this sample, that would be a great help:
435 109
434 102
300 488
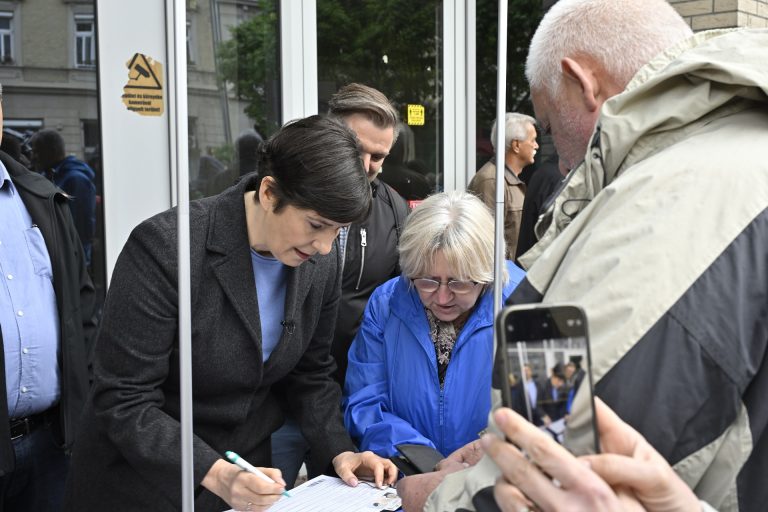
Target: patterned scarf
444 336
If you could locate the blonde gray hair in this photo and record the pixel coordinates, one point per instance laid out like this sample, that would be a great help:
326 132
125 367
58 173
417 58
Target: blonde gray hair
515 128
460 226
621 35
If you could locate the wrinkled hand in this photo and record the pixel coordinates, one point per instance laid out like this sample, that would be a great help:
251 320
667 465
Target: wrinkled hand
415 489
368 465
527 479
243 490
467 455
629 461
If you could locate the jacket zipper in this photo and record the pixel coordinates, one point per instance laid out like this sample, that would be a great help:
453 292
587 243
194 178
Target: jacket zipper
363 245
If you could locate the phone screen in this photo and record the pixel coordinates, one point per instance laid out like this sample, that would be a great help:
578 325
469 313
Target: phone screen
546 362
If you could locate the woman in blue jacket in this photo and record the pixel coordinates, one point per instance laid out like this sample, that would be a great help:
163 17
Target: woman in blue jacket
420 365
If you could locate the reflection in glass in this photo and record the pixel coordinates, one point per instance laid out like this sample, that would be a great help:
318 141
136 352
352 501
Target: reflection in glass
394 46
233 88
544 376
53 86
523 18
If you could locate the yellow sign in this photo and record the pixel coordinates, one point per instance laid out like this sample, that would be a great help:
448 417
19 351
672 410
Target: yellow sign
143 93
416 115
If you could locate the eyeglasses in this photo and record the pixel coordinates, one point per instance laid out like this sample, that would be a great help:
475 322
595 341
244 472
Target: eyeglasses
425 285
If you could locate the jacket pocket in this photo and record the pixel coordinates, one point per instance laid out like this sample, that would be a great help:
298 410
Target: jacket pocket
38 252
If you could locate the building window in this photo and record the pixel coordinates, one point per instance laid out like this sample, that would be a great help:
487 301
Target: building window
6 37
85 41
190 43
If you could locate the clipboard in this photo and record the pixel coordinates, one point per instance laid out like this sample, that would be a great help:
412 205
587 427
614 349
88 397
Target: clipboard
330 494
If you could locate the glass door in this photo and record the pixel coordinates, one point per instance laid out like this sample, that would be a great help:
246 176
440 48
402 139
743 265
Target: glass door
49 85
394 46
233 88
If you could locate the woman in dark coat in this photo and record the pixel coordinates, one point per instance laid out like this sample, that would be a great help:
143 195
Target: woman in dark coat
264 291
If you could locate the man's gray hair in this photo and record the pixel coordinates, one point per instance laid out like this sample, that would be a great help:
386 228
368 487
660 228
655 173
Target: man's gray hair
460 226
515 128
357 98
620 35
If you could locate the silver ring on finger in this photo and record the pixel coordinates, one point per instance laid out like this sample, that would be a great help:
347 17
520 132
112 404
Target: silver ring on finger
249 506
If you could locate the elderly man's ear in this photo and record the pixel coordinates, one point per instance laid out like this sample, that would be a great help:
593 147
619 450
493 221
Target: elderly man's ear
580 74
586 76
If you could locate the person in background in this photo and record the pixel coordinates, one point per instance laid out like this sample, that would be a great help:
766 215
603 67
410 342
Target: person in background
539 194
551 405
265 273
247 147
12 146
420 365
73 176
519 151
411 185
47 323
531 386
368 247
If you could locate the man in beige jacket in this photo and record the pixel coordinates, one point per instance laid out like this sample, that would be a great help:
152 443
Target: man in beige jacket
520 149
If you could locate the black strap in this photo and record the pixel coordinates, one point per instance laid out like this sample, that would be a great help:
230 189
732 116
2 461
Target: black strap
399 219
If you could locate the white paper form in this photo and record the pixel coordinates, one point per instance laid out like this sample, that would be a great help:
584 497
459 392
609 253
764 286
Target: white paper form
330 494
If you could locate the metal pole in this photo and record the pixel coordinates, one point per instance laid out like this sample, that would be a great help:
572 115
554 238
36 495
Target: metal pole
501 101
180 159
499 253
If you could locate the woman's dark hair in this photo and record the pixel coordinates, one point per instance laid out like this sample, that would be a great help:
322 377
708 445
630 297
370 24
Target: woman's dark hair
316 165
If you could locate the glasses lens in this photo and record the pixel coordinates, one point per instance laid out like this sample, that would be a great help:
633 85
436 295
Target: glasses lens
426 285
461 286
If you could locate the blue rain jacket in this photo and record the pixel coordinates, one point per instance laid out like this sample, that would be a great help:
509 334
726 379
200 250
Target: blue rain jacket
392 392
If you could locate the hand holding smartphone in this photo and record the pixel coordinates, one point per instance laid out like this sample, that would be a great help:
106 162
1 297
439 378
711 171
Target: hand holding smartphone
546 362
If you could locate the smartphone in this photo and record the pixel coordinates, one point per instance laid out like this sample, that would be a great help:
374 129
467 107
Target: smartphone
546 360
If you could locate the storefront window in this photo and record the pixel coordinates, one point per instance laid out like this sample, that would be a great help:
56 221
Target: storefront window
394 46
233 88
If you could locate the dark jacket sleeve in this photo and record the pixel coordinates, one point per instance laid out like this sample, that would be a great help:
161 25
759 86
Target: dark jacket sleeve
138 335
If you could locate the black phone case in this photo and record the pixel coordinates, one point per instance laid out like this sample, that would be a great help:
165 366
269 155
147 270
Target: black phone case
415 459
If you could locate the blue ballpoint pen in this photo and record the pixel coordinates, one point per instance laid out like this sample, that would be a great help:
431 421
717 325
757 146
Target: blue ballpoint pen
247 466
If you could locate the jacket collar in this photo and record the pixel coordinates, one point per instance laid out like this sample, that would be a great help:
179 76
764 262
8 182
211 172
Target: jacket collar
231 260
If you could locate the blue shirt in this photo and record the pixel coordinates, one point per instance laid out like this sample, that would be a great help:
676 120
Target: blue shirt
28 314
533 391
270 275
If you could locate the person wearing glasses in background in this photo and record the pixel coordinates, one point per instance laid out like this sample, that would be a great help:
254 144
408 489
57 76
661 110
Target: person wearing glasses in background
420 365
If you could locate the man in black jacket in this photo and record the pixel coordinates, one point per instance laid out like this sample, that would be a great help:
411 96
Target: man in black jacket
369 249
46 324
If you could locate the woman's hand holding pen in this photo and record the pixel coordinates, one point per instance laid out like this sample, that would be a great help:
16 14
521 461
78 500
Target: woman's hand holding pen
364 464
243 490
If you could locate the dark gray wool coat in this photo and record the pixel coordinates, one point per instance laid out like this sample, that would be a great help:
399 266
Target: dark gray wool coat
128 454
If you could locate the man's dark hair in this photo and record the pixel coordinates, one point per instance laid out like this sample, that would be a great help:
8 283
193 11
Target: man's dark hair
316 165
48 147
